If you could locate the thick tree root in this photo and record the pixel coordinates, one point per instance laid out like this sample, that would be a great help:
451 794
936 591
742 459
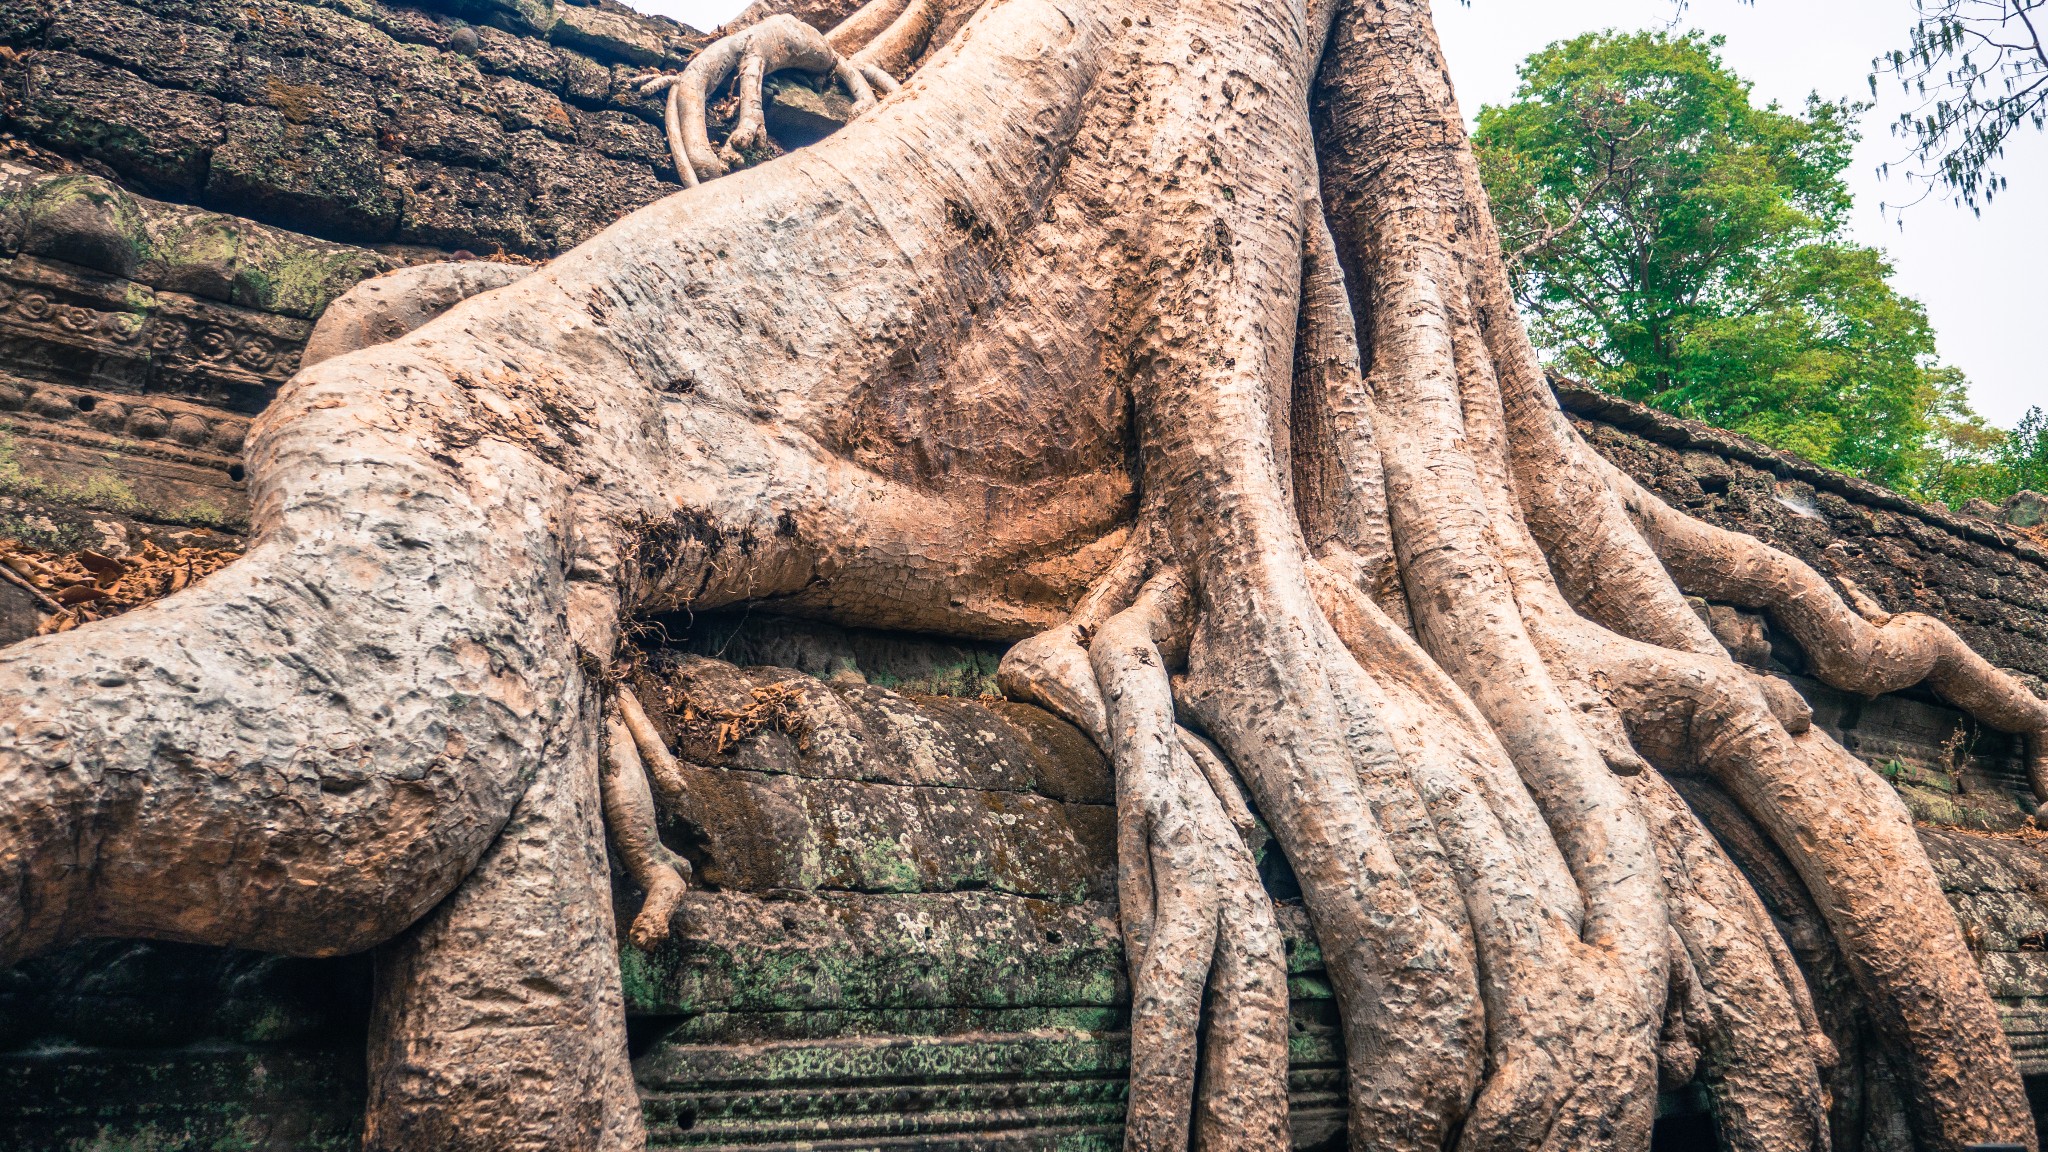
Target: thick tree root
1549 1037
1553 1035
1412 236
1079 271
1193 908
1860 1106
1860 650
1407 983
1817 797
1195 916
499 1022
1750 1020
1448 541
1853 846
1867 883
309 750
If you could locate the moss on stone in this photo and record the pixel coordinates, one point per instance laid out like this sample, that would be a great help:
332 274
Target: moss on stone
302 281
99 490
46 535
87 221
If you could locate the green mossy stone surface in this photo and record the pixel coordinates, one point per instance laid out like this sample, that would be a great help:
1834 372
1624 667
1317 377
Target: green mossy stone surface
134 1046
93 223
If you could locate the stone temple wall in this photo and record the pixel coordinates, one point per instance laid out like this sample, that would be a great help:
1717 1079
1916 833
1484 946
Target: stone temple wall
906 937
186 184
500 126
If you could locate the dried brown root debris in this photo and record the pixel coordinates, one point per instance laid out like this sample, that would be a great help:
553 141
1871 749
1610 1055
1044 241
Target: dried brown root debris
73 588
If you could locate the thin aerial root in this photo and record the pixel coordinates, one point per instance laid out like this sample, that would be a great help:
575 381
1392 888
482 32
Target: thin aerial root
672 116
896 46
689 140
1223 782
750 129
867 22
629 814
882 81
855 79
662 768
781 42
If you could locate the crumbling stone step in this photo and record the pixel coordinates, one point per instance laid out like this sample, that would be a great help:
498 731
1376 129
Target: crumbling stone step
1044 1088
778 720
737 951
757 831
214 1099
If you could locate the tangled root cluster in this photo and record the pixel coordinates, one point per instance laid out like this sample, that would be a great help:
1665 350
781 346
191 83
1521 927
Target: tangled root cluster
1171 341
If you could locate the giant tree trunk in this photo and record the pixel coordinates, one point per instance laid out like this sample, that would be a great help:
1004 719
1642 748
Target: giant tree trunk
1168 339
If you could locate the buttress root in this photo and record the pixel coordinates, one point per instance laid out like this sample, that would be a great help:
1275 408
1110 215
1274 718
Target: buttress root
1208 970
1853 643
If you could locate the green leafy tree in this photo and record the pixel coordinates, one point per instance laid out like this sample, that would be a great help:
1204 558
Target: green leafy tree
1997 465
1677 244
2023 456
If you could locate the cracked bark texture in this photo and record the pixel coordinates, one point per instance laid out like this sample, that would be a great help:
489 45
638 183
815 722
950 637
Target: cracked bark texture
1169 340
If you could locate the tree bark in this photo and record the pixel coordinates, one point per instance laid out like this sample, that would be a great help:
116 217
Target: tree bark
498 1021
1170 340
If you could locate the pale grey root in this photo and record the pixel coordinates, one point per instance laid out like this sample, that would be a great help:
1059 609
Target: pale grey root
1168 340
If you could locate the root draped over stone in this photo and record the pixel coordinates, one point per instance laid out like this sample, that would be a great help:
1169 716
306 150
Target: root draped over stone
1168 340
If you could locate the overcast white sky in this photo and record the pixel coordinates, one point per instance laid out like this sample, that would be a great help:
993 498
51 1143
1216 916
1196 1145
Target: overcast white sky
1982 279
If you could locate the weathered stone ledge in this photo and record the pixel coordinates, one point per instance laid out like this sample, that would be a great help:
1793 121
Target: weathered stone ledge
1665 428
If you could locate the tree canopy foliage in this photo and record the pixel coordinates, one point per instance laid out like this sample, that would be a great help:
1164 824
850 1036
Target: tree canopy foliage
1997 464
1978 70
1676 243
